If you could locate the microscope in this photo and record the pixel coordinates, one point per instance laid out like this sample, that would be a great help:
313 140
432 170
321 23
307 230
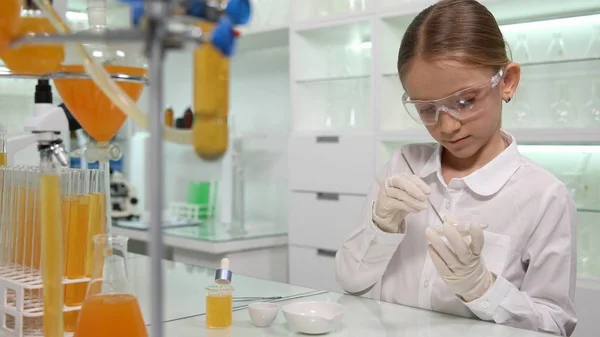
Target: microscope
42 131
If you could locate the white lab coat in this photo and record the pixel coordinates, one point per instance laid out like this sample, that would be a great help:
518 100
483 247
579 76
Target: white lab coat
530 243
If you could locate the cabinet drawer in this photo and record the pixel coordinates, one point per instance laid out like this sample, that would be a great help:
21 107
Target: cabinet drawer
313 268
322 220
344 164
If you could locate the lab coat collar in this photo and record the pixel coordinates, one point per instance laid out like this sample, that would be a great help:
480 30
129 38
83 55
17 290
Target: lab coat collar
488 179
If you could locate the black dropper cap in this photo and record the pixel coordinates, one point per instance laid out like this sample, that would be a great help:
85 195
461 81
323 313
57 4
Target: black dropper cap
43 92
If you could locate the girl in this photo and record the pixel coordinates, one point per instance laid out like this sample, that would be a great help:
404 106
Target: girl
517 265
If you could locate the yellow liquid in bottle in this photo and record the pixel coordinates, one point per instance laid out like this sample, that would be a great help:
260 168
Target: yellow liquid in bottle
3 159
52 272
10 17
35 59
211 100
219 311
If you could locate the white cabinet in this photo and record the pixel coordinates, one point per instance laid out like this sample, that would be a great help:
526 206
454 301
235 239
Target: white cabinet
322 220
313 268
338 164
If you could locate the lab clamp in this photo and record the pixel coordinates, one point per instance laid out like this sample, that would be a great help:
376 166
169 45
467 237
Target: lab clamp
162 25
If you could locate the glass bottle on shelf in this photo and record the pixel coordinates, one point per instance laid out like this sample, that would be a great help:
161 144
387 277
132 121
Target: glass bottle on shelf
520 112
591 109
556 50
521 50
593 49
562 109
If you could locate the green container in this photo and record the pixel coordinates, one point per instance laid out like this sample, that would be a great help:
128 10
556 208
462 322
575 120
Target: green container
203 194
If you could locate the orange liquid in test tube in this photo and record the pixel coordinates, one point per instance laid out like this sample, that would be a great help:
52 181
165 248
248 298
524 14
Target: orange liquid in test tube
111 315
76 249
3 159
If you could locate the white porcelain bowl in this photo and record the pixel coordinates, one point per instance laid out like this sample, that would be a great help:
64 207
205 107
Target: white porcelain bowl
263 314
314 317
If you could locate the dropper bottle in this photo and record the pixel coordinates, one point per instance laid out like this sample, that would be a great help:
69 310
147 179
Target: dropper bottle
219 299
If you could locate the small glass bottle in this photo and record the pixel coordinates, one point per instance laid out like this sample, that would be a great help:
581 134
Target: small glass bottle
556 50
219 299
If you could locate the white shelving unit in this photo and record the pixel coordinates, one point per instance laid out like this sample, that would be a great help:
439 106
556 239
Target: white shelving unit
343 68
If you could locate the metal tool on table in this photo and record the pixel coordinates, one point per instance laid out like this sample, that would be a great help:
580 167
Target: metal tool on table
245 299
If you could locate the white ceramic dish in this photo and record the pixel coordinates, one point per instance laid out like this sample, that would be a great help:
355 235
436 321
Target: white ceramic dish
314 317
263 314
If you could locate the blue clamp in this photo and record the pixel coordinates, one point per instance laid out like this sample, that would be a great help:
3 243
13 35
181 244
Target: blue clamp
223 37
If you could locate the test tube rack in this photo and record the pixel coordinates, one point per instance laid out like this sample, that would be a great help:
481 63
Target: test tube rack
21 304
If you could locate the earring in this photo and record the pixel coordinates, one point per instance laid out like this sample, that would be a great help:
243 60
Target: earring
507 100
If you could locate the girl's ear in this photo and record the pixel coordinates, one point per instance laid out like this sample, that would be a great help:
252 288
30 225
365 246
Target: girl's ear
510 81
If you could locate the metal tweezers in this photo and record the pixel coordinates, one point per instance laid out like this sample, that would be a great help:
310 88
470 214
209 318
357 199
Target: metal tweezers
429 200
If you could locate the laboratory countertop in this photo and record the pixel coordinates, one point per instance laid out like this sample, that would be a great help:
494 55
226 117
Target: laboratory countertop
215 238
184 285
363 317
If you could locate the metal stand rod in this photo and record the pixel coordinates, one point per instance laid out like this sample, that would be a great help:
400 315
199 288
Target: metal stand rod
157 32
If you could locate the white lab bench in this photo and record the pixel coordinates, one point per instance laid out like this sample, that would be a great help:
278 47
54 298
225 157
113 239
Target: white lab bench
261 252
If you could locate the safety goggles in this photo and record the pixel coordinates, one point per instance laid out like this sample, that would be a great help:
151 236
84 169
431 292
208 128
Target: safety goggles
461 105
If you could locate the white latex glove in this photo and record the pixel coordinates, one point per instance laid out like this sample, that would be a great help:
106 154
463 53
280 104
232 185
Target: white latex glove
460 263
400 194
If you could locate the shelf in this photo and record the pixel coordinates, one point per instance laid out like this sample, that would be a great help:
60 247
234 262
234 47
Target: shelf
310 14
339 20
259 39
332 79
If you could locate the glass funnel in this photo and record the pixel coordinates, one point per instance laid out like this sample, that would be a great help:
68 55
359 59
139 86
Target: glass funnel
110 308
9 21
34 59
95 112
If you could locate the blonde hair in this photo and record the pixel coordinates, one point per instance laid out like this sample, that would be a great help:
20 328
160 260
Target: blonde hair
459 30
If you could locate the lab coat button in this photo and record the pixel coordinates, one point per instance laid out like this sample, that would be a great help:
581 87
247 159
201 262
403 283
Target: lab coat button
426 284
485 304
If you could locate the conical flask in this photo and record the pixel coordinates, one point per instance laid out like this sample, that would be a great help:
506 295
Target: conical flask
110 308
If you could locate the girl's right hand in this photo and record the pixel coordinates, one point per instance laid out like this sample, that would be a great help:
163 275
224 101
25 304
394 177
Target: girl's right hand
400 195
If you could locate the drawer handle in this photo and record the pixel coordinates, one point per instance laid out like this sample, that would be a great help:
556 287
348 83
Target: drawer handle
326 252
328 139
328 196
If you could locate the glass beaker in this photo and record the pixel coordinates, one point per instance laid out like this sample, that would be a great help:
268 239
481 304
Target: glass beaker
110 308
562 109
219 306
34 59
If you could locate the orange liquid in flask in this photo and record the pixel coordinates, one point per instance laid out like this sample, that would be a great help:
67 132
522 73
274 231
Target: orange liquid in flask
96 113
35 59
10 16
111 315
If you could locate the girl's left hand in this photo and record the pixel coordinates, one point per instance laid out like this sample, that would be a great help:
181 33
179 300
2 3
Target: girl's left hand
460 264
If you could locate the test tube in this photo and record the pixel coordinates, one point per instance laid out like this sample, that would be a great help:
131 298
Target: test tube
77 244
52 261
3 156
